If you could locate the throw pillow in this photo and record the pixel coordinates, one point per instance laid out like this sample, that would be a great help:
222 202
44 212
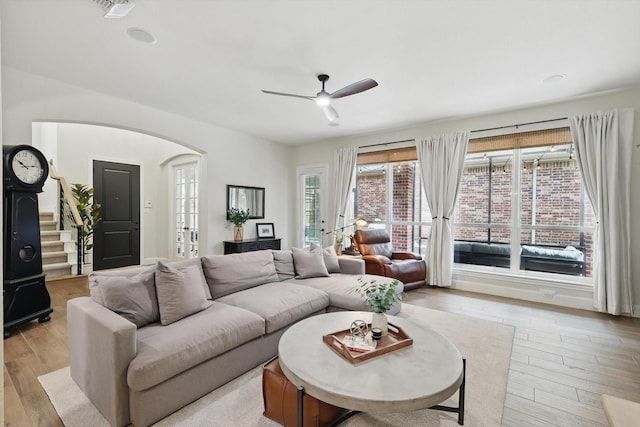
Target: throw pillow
227 274
180 292
309 263
330 258
133 298
283 261
193 261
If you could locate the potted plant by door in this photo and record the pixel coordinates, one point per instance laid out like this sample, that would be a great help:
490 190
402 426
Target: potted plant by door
89 212
379 297
238 217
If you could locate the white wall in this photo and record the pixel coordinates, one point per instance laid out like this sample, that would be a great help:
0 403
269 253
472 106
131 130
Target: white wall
537 290
231 157
73 147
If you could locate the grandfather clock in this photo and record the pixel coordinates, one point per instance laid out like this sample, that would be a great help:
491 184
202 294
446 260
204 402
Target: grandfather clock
25 294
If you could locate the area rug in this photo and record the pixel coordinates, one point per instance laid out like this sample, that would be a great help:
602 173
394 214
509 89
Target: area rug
486 345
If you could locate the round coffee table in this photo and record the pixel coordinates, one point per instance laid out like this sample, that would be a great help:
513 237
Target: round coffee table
416 377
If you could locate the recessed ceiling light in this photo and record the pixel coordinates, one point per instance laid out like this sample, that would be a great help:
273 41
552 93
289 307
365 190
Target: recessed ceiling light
141 35
554 78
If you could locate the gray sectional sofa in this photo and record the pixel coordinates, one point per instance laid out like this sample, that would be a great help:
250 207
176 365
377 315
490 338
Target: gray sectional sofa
150 340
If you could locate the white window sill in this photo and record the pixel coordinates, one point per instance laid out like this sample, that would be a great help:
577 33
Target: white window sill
547 288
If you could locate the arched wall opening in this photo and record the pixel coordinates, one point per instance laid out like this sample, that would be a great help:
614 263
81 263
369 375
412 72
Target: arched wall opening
73 147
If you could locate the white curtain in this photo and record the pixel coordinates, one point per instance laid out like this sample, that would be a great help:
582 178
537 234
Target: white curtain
344 165
441 164
604 142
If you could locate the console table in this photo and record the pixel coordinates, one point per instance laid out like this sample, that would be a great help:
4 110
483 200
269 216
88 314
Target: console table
249 245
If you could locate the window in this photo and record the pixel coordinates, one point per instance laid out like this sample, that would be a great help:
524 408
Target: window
526 200
389 195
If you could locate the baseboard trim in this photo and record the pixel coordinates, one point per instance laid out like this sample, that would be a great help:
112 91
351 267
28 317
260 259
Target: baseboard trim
580 297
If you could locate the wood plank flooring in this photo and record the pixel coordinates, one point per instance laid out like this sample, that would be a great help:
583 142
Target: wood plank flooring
33 350
562 359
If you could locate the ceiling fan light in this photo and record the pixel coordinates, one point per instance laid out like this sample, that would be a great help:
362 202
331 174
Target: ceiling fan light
323 100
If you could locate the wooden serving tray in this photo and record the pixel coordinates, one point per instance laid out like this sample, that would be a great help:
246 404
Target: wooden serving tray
396 338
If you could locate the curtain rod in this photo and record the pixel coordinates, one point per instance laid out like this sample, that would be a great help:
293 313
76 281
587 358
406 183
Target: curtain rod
520 124
473 131
387 143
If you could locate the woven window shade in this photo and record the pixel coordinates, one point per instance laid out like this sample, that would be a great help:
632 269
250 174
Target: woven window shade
538 138
388 156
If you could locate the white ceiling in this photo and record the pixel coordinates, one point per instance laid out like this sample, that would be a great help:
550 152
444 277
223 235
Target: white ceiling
432 59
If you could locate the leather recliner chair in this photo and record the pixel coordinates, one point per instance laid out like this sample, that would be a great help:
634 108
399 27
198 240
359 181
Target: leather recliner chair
380 259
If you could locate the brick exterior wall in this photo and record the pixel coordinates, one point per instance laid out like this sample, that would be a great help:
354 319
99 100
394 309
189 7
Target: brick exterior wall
558 186
558 192
371 196
371 199
558 202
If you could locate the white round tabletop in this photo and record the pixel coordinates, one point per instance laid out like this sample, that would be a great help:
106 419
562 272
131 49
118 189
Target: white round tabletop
419 376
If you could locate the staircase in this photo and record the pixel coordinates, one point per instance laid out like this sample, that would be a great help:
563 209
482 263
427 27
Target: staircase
56 247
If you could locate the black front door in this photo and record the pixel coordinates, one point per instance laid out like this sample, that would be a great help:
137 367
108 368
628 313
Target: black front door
116 241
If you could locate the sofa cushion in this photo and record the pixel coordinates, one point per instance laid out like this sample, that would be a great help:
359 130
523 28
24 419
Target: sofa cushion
227 274
330 258
491 249
188 263
166 351
94 289
283 261
180 292
309 263
280 304
133 298
94 286
341 289
569 253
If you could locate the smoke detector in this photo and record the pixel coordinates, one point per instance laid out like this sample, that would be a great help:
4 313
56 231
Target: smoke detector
115 8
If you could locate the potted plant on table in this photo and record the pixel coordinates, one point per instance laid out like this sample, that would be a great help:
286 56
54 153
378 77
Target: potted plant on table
379 297
238 217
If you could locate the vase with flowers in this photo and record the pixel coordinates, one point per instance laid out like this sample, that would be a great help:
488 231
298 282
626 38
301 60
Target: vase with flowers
238 217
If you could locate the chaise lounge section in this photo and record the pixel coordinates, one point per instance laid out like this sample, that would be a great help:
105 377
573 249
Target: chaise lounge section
139 363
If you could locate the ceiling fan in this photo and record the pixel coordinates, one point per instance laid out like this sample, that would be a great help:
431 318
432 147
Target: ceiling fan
323 98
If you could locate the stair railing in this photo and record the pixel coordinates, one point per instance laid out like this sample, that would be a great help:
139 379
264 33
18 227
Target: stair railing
69 217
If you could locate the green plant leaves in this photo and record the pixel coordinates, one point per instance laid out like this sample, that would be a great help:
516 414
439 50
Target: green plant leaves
379 296
89 212
238 216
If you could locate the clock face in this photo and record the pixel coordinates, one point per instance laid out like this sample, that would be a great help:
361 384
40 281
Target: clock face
27 167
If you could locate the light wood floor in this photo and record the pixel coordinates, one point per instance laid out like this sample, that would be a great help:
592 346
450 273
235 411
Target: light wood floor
562 359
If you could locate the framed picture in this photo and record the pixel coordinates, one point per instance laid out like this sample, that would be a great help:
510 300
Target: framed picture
265 230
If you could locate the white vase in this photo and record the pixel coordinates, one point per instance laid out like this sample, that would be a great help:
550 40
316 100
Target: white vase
379 320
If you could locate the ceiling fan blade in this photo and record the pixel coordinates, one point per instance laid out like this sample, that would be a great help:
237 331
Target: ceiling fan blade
354 88
330 113
288 94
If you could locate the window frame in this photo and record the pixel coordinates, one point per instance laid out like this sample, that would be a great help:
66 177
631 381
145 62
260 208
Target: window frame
547 138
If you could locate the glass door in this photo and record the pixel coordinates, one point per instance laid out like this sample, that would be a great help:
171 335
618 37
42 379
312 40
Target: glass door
312 196
186 209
